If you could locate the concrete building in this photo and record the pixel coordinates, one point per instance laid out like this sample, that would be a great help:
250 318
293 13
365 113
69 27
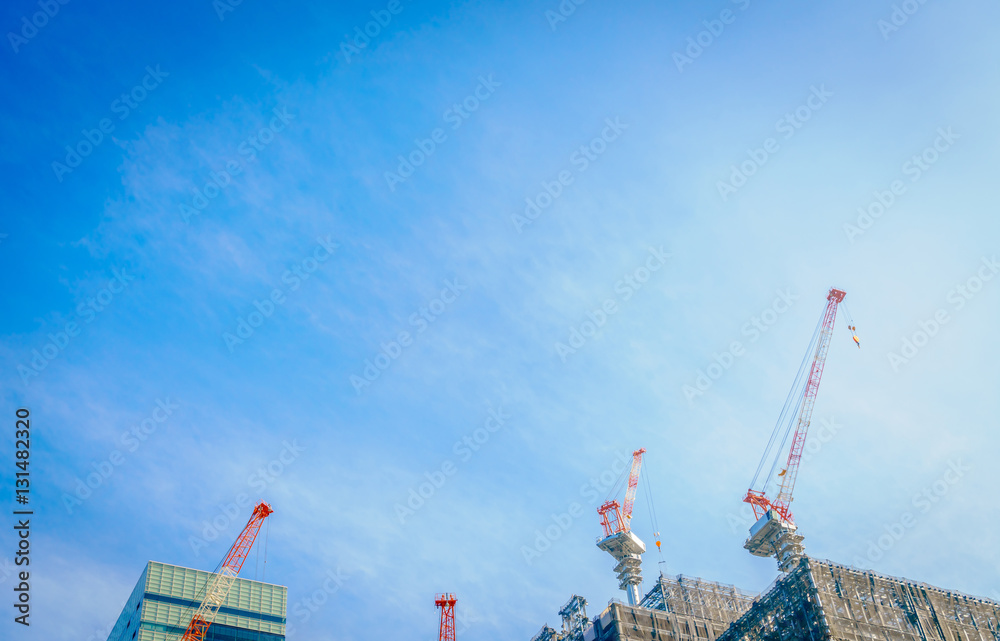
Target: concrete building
166 596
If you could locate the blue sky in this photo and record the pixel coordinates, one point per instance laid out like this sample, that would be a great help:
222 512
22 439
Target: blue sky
247 168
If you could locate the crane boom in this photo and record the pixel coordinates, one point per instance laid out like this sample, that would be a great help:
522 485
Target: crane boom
782 503
619 541
774 533
633 486
222 581
614 518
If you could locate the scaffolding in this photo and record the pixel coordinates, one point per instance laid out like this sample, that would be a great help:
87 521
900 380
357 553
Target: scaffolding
695 597
816 601
821 600
678 608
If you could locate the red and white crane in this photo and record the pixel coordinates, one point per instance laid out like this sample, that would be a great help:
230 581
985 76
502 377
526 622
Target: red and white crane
222 580
618 540
614 519
774 532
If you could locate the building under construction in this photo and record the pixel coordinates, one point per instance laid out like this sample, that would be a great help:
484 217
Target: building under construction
817 600
812 600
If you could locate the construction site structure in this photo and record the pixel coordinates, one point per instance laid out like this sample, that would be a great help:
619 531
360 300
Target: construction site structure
574 617
815 601
574 622
821 600
446 603
774 533
619 541
687 608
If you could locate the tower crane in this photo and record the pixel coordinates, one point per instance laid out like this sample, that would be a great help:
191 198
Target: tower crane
774 533
446 602
219 584
618 539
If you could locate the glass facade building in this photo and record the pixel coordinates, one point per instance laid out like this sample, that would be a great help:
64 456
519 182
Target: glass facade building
166 596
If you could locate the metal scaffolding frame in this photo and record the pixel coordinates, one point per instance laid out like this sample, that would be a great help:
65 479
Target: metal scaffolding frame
678 608
816 601
822 600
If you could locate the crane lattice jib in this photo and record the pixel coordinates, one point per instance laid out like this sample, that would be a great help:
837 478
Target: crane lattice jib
782 503
447 604
633 486
222 581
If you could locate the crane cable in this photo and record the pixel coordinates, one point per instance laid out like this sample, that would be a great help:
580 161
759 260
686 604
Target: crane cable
267 534
850 324
619 483
797 392
652 511
794 393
